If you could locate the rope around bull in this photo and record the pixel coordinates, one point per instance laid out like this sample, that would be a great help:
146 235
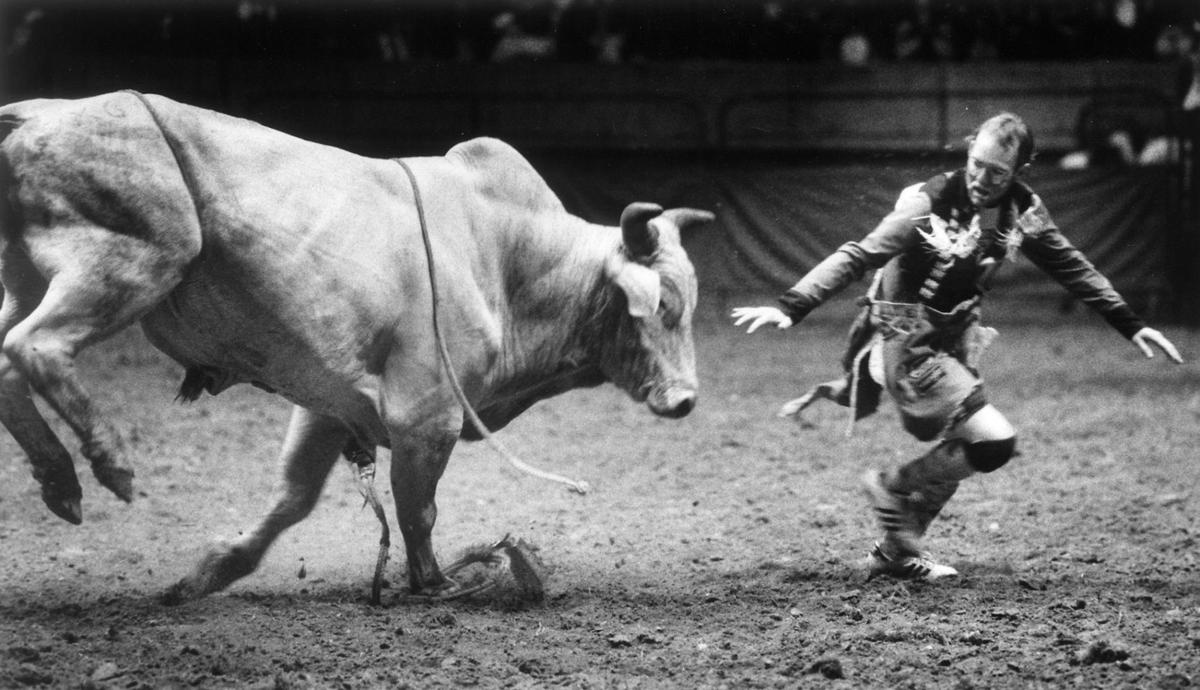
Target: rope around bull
366 465
578 486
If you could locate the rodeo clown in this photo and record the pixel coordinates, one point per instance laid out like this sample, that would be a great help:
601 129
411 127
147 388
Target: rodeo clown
919 335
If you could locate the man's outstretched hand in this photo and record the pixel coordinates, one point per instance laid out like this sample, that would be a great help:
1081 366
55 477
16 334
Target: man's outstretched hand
758 316
1148 336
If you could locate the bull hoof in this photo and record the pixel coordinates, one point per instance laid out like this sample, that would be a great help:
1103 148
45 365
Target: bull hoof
178 593
67 508
188 589
444 590
217 570
63 497
116 479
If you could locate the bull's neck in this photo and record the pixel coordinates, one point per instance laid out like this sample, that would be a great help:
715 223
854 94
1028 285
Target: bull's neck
559 308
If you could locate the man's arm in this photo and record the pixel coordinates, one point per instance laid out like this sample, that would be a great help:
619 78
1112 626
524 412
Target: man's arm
852 260
1051 251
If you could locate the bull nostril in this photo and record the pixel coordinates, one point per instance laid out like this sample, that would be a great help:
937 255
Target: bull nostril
685 406
673 404
682 407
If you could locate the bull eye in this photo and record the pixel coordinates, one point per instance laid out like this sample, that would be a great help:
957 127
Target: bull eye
670 304
667 314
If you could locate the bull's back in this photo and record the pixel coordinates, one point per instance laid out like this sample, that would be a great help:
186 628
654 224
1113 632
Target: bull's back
309 259
314 261
75 162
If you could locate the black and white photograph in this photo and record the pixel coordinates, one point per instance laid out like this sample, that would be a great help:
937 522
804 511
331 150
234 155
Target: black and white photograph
361 344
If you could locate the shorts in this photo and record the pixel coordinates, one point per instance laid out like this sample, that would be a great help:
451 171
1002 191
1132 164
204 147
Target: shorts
932 388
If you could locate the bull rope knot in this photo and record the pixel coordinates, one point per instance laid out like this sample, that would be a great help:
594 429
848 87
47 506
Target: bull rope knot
575 485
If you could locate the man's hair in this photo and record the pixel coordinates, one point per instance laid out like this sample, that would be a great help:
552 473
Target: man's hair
1010 130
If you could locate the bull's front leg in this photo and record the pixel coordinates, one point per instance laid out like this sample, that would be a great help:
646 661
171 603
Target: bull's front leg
310 450
419 457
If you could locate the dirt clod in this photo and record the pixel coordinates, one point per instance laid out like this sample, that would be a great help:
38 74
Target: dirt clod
829 668
1101 652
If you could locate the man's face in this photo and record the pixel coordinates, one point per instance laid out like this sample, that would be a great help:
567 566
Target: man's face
991 169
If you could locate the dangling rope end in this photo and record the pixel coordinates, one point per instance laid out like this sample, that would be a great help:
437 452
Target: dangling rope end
577 486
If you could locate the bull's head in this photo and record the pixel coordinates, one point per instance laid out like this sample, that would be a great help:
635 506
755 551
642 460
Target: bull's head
651 353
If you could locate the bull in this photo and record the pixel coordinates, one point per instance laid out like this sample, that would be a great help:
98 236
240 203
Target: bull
251 256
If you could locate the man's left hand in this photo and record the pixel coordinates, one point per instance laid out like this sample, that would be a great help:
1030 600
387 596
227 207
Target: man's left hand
1147 336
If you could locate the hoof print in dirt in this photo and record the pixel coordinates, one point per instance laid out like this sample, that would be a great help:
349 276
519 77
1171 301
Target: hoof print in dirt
1101 652
30 675
508 574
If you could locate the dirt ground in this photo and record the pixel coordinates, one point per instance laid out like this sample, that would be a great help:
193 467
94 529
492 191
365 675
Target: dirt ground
722 550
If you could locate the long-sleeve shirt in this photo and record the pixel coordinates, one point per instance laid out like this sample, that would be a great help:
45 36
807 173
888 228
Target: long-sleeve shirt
937 249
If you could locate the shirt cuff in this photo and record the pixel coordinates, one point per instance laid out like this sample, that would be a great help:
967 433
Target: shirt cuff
795 305
1124 320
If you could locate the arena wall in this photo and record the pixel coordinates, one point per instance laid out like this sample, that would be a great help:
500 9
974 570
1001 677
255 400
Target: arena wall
392 108
794 158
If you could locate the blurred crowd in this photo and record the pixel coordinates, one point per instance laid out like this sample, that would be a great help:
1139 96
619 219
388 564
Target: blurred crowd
850 31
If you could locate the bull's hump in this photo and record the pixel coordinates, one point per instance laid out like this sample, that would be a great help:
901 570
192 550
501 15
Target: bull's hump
486 148
505 174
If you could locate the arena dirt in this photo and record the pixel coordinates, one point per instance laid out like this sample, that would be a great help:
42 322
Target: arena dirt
722 550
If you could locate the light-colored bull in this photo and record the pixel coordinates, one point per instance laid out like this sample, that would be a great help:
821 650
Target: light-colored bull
248 255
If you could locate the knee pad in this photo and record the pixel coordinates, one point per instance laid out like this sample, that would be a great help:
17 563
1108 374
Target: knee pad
989 456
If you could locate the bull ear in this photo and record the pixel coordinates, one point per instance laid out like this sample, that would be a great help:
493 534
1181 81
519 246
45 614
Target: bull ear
640 238
641 285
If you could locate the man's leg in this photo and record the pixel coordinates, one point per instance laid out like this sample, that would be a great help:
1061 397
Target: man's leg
982 443
937 396
908 498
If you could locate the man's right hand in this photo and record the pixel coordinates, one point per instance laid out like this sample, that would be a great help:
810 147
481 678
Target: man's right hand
758 316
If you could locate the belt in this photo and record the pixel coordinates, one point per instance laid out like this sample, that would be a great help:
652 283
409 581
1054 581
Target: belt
904 316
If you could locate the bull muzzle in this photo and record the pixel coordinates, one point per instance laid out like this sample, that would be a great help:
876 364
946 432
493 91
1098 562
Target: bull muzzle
672 402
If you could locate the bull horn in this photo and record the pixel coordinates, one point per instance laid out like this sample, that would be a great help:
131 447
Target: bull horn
640 239
685 217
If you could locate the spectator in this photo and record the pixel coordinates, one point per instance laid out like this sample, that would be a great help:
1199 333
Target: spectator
526 32
854 35
1116 147
786 31
855 48
1118 30
1105 142
1174 42
579 31
924 33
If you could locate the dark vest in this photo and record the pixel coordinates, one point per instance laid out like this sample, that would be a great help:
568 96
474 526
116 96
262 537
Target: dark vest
942 280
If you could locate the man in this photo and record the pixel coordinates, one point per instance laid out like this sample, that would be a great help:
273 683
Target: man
919 335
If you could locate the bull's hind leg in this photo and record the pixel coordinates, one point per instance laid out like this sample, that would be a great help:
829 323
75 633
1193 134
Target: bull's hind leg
51 462
310 450
52 466
99 282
